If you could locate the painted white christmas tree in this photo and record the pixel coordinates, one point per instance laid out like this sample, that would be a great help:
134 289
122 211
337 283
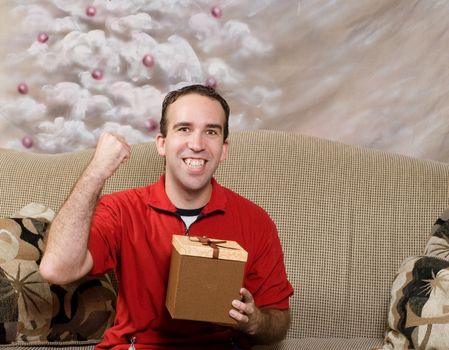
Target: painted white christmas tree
82 67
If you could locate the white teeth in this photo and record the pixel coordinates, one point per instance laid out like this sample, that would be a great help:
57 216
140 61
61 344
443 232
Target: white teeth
195 163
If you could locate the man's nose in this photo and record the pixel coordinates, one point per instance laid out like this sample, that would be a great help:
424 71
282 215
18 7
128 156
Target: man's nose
196 142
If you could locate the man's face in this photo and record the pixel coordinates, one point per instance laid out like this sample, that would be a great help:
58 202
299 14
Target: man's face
193 146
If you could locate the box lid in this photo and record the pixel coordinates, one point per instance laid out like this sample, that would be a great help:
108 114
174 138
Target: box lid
209 248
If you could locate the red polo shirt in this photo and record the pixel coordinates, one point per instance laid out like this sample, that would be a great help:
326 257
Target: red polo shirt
131 233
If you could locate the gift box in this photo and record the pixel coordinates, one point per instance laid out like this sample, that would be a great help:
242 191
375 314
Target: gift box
205 276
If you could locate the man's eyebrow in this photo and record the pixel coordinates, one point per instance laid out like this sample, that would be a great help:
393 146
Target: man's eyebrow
215 126
208 126
177 125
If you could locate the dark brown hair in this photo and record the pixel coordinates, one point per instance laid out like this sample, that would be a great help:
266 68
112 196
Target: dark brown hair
193 89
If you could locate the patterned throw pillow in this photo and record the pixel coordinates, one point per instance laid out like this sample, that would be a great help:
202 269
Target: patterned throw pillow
32 310
419 310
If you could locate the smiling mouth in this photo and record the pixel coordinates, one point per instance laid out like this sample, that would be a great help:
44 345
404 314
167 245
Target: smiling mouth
194 163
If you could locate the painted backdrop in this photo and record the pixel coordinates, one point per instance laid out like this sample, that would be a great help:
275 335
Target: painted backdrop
368 73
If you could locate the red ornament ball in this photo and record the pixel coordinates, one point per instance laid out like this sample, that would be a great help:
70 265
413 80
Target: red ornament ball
22 88
148 60
216 12
42 37
211 82
151 125
91 11
97 74
27 142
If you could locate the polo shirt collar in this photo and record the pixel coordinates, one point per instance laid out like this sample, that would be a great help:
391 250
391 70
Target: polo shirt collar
158 199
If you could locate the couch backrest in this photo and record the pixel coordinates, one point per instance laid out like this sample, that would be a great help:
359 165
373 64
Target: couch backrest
346 216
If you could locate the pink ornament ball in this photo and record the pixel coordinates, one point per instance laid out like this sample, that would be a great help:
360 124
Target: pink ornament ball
42 37
148 60
216 12
151 125
22 88
27 142
211 82
91 11
97 74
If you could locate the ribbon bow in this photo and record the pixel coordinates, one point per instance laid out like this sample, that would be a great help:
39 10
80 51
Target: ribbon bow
215 245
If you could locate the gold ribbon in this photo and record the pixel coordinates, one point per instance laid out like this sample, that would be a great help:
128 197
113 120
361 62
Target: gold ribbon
214 244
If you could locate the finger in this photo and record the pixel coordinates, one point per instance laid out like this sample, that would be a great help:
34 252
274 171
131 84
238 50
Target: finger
242 307
238 316
122 140
239 305
247 297
125 146
127 155
126 149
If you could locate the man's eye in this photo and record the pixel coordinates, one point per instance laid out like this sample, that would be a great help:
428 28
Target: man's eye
212 132
184 129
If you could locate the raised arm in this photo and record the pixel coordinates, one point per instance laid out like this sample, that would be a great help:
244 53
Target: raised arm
66 256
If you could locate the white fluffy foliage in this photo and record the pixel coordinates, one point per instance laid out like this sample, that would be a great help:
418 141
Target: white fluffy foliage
363 72
67 107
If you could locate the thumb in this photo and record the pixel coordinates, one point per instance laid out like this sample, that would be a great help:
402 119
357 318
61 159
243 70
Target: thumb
246 296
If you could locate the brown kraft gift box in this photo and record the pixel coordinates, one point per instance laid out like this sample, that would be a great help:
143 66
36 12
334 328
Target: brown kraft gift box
205 276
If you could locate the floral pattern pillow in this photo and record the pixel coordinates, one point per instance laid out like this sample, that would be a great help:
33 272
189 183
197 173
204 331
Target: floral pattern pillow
419 310
31 309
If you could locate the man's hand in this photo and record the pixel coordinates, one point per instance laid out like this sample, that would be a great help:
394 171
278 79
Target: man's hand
111 151
264 326
246 313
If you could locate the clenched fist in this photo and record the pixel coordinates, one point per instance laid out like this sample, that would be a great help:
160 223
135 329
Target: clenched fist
111 151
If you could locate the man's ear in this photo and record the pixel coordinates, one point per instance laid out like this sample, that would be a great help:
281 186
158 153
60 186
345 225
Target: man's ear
224 152
160 144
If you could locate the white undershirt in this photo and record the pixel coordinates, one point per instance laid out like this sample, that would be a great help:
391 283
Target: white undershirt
189 220
189 216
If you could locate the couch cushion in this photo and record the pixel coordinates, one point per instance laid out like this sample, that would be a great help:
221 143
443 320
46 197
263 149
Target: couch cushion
324 344
419 310
33 310
69 345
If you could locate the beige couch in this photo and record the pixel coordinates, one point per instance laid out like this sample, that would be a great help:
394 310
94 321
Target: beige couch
347 217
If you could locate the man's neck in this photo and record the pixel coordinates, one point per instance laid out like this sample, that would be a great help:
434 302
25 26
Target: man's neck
185 199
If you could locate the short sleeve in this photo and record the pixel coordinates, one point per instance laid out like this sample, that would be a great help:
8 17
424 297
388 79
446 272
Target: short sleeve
104 236
267 277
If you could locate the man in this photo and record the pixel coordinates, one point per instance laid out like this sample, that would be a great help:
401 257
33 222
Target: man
130 232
